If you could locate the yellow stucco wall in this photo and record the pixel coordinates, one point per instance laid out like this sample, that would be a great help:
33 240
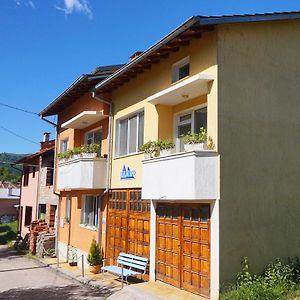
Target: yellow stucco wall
259 129
132 96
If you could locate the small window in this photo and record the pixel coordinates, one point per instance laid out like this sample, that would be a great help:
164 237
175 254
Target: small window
181 69
25 176
50 172
68 207
33 172
28 215
42 211
130 134
64 145
90 211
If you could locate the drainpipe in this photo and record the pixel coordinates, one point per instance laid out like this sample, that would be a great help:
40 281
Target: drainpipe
20 216
108 168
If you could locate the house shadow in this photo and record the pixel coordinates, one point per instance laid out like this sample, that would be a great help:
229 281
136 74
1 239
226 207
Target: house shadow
63 292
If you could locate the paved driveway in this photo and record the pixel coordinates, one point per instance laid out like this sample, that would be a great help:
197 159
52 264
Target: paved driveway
25 278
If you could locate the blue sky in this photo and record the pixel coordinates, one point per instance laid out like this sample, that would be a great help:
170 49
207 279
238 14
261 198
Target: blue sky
46 44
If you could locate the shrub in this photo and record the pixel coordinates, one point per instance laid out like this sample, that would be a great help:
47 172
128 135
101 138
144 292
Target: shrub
277 281
148 147
94 257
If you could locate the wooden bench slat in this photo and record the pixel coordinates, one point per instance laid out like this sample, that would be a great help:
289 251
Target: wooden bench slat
134 256
132 265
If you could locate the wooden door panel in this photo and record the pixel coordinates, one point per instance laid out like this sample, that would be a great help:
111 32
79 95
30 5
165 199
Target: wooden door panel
128 226
183 241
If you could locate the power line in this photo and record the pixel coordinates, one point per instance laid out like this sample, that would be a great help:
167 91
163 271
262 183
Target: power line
19 136
20 109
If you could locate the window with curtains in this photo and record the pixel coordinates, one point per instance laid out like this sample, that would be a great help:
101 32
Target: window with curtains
90 210
130 134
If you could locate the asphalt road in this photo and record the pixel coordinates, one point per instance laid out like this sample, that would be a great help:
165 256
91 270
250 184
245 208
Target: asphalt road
25 278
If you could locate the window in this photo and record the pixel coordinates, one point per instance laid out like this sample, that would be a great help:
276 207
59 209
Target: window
33 172
94 137
90 210
190 122
50 171
25 176
130 134
64 145
28 215
68 207
42 211
181 69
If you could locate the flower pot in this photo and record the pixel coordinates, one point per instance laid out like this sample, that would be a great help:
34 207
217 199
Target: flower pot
73 263
147 155
89 155
165 152
195 147
95 269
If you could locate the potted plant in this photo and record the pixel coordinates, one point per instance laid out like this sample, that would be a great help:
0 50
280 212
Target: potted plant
94 257
76 152
166 147
90 150
148 148
195 141
73 257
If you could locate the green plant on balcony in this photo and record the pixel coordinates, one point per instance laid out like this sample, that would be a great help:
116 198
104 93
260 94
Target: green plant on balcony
165 144
149 149
195 138
91 148
165 147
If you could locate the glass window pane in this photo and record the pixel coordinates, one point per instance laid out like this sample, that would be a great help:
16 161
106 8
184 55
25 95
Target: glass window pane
204 213
123 131
200 119
97 137
195 214
133 134
183 130
186 213
184 71
141 130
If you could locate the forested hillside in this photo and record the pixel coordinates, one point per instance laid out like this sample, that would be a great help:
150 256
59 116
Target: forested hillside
7 173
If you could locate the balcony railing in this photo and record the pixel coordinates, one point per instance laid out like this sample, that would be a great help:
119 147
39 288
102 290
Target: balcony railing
82 172
182 176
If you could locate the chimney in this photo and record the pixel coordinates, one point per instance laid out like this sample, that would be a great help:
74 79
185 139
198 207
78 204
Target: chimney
135 55
46 136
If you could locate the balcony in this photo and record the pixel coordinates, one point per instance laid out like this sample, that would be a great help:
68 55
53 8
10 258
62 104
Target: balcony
80 173
182 176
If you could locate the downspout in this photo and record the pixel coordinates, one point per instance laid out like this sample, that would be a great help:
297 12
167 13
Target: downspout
54 191
20 216
108 168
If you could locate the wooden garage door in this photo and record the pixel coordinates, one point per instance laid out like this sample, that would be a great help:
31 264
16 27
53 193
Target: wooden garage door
128 223
183 246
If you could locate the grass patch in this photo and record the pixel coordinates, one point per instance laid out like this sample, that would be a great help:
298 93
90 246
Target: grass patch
8 232
278 281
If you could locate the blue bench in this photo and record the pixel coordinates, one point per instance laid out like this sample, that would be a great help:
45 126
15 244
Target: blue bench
127 265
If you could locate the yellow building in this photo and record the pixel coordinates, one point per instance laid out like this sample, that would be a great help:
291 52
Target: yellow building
196 213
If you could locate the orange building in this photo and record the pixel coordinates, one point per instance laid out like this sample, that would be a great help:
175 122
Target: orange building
81 178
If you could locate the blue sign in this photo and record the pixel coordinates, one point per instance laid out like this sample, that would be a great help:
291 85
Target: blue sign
127 173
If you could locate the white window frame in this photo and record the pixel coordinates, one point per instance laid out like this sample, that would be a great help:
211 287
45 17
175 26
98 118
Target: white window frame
92 131
82 219
177 66
118 128
66 140
177 122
